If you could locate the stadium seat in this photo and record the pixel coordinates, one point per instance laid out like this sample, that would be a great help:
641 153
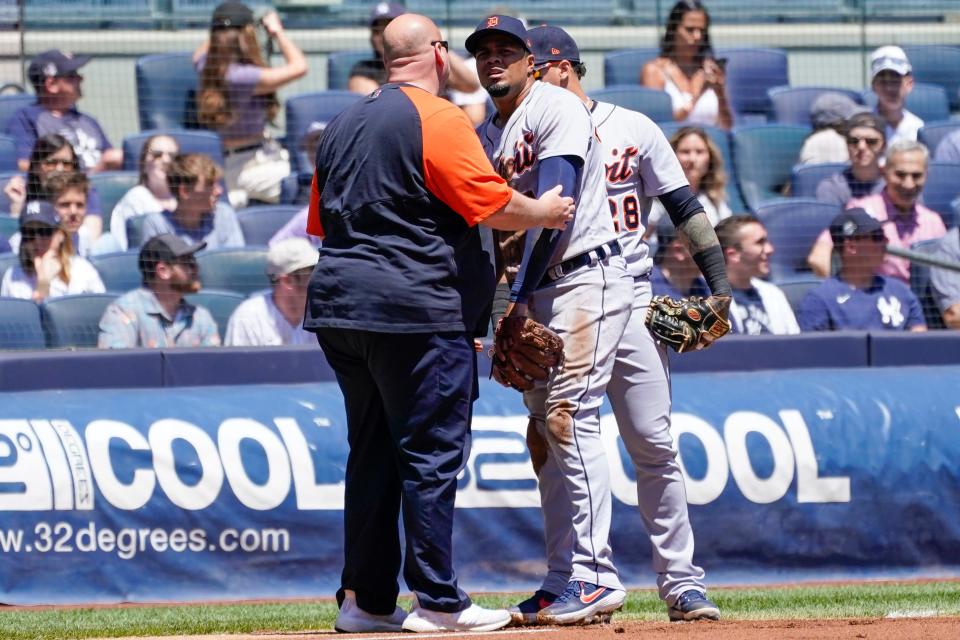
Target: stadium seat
74 321
937 64
791 105
111 186
764 156
8 154
792 226
932 133
20 326
927 101
623 66
240 270
260 223
8 225
750 72
805 177
798 287
118 271
339 65
135 231
941 188
721 138
306 109
220 304
654 104
7 260
206 142
295 188
166 91
11 103
920 285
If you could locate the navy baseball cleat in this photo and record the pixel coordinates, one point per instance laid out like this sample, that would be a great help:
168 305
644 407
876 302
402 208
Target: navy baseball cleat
583 603
526 612
693 605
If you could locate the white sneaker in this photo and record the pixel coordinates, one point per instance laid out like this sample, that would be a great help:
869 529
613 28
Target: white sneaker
473 618
353 619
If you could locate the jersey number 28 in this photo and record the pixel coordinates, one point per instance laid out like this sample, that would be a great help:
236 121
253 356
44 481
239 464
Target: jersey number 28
626 216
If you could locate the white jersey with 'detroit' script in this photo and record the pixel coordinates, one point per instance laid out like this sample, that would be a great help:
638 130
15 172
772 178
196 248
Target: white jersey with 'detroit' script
553 122
640 165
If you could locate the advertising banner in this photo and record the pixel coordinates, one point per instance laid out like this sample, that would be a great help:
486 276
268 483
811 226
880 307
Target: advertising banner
236 492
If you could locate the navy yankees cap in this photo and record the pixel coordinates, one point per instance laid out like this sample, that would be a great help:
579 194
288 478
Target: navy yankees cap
385 11
855 223
552 44
506 25
53 63
39 213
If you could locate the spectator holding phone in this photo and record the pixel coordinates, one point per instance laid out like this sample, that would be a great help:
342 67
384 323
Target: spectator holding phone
687 70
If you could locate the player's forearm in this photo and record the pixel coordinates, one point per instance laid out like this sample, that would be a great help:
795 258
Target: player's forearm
461 78
520 213
703 245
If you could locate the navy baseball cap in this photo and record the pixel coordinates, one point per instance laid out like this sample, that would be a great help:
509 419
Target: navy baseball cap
54 63
231 14
506 25
39 213
385 11
855 223
166 247
552 44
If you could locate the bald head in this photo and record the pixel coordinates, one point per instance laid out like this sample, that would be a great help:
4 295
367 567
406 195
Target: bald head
409 56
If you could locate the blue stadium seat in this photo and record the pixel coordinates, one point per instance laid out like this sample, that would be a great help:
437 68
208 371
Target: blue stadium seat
797 287
166 91
220 304
240 270
8 154
134 229
20 326
11 103
8 225
623 66
339 65
654 104
118 271
259 224
937 64
206 142
111 186
933 133
721 138
792 226
805 177
308 108
764 156
791 105
7 260
750 72
74 321
941 189
920 285
927 101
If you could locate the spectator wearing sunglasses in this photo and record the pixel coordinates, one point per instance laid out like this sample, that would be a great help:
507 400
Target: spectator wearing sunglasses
865 135
56 79
152 193
48 267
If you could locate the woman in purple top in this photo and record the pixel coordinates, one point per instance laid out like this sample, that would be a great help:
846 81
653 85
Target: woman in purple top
237 99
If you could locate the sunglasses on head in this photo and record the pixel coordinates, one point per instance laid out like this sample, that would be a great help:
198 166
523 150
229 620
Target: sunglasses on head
442 43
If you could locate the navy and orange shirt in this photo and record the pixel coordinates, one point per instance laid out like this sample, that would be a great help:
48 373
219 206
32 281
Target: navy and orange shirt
401 181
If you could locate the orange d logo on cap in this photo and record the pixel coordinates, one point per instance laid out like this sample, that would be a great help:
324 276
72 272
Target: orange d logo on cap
555 51
493 21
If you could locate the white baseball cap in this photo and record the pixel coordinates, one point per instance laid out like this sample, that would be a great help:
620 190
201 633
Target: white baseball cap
889 58
290 255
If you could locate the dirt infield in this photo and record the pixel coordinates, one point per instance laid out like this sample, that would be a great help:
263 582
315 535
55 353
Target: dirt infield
869 628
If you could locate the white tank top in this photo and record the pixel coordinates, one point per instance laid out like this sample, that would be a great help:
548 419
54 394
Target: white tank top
705 111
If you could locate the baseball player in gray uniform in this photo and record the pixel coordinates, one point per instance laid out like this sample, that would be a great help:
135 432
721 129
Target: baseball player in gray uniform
575 282
640 165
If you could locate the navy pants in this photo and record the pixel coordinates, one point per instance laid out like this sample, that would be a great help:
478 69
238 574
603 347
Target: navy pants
408 401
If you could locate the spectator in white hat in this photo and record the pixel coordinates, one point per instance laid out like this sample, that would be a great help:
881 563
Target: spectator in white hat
276 317
891 78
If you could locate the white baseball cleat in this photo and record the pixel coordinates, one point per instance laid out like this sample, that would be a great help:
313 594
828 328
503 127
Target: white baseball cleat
353 619
473 618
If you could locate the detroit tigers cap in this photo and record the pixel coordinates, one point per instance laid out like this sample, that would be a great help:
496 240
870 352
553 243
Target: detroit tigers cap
889 58
231 14
39 213
53 63
506 25
854 223
166 247
552 44
385 11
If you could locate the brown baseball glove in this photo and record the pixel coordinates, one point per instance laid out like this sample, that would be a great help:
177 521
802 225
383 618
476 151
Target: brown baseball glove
524 351
688 324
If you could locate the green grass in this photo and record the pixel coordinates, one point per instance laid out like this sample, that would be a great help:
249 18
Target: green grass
816 602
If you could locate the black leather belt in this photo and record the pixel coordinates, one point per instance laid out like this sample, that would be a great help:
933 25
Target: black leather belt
248 147
570 265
